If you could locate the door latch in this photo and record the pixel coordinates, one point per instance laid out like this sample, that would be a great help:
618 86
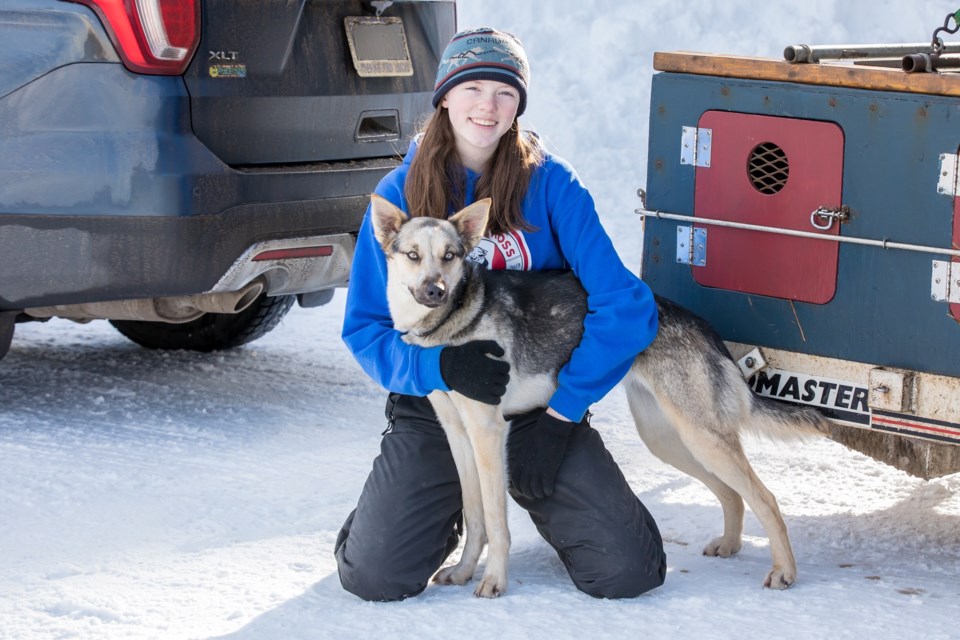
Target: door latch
823 218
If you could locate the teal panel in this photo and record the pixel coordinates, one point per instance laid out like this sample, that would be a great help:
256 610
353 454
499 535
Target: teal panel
882 312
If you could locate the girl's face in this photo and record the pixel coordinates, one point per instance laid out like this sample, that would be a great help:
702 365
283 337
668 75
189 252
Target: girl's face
481 111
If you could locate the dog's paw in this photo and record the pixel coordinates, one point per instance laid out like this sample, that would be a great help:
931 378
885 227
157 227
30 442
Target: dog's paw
456 574
491 587
780 578
722 548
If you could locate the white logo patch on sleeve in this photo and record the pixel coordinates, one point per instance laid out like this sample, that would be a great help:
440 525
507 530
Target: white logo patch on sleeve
502 251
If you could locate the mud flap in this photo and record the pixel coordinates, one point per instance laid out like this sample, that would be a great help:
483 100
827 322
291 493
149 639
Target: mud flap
7 320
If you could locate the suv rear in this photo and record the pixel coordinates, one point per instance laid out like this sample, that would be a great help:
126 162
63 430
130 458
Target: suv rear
188 168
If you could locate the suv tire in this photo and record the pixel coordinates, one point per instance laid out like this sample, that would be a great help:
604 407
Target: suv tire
211 331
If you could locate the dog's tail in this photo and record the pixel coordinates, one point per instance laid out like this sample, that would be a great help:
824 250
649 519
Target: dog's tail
785 421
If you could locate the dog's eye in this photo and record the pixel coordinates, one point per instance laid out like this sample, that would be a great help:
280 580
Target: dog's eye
448 256
414 256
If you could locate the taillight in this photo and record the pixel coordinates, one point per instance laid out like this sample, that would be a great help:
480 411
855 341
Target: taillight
152 36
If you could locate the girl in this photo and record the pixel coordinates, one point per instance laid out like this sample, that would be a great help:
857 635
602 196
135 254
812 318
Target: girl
407 520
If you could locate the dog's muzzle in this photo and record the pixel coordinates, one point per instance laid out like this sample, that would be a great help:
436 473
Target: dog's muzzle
431 294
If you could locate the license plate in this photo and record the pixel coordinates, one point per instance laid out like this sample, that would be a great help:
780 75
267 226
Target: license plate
378 47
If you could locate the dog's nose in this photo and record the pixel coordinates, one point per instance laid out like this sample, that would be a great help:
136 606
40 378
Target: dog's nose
434 293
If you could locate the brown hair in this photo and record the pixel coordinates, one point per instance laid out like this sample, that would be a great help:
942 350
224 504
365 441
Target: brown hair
436 182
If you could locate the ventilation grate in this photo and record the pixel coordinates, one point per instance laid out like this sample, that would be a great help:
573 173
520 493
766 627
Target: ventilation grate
768 168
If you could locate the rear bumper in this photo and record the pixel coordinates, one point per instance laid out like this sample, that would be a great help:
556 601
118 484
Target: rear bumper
56 260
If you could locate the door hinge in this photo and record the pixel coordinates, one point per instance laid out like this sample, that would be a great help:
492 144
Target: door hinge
692 246
945 282
947 184
695 146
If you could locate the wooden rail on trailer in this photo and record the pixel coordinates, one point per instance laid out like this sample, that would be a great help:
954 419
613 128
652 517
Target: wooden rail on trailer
823 74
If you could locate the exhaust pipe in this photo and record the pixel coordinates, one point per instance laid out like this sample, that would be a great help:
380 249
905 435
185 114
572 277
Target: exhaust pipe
223 302
174 309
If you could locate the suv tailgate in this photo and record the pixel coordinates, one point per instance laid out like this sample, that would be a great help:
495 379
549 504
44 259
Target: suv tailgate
273 81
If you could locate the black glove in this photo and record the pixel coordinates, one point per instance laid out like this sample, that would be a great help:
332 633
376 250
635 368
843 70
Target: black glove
468 369
535 454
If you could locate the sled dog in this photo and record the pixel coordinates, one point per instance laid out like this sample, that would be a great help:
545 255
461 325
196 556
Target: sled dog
686 394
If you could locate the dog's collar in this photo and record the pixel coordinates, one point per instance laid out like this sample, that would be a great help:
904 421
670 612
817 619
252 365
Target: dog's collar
461 288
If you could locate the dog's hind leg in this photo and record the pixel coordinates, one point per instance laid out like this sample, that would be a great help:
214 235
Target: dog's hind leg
487 431
723 456
714 443
662 439
463 456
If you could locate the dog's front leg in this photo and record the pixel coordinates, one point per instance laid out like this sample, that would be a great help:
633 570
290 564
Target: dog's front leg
487 431
463 456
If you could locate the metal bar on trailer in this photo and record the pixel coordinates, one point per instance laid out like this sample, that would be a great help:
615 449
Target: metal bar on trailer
884 244
800 53
928 63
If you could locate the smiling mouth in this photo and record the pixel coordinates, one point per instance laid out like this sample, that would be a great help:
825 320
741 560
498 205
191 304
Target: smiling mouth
483 123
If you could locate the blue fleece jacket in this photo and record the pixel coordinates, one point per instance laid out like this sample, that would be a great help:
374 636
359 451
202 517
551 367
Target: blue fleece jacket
622 317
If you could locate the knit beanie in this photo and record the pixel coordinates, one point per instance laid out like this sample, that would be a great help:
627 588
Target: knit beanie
483 54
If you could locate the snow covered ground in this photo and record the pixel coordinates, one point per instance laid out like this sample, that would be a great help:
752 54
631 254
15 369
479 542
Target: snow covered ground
178 495
175 495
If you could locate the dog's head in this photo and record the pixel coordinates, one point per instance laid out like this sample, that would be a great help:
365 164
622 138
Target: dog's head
426 255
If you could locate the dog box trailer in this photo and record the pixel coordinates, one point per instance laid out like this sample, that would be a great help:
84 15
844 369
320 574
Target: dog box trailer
810 212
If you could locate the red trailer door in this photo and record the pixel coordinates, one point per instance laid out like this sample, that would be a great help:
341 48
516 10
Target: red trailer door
774 172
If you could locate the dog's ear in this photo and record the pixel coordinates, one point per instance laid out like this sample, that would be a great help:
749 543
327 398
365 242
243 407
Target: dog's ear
471 222
386 218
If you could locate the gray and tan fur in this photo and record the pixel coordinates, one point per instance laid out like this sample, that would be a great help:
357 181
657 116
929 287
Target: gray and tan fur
685 392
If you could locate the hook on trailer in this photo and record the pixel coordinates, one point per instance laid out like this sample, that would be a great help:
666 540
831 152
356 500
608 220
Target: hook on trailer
937 42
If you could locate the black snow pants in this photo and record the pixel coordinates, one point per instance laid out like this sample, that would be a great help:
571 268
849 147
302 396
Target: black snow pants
408 518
